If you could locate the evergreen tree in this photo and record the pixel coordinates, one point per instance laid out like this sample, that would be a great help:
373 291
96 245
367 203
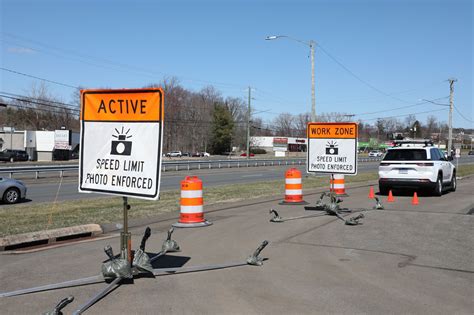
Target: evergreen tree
221 131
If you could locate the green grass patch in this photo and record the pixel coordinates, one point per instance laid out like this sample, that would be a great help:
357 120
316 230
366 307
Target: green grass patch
43 216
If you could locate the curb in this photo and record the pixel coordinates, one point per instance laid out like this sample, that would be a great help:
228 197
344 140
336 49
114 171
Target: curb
49 237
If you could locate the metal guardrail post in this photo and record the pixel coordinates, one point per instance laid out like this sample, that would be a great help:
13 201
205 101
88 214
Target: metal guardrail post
37 175
61 173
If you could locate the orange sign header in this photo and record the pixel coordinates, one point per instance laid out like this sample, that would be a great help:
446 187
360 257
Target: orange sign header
332 130
122 105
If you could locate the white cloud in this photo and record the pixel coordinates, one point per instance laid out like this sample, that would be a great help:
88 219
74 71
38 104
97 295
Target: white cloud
20 50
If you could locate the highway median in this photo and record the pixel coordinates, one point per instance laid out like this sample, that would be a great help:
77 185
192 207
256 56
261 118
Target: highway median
29 217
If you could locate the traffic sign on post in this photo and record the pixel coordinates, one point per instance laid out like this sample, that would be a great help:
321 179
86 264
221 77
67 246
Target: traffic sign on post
121 140
332 148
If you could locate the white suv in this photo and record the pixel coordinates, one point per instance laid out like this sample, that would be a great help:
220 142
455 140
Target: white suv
416 164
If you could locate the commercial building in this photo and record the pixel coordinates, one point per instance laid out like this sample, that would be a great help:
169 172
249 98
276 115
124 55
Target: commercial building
41 145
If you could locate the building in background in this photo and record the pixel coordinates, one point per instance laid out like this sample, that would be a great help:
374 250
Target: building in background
279 145
41 145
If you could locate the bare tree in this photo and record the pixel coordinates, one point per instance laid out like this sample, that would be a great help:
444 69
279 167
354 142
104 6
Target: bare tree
431 126
285 125
301 124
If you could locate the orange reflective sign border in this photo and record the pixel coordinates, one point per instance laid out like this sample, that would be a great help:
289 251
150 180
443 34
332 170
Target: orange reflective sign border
144 105
332 130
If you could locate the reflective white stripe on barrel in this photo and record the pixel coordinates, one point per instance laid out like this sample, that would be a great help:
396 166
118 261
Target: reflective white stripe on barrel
293 192
191 193
191 209
293 180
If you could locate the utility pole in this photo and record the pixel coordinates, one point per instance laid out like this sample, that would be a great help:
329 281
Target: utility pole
248 124
451 105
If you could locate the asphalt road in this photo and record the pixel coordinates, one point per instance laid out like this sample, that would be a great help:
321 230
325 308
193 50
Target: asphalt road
54 188
403 260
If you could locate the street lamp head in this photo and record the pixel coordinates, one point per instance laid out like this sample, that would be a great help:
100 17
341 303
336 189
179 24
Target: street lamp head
271 37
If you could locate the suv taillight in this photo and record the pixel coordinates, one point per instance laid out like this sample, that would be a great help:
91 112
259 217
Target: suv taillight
424 164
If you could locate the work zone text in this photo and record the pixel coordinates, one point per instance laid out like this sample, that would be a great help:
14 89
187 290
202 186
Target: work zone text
330 131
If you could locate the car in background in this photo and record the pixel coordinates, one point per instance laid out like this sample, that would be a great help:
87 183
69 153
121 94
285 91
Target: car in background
13 155
174 154
245 154
201 154
375 153
470 152
12 190
417 165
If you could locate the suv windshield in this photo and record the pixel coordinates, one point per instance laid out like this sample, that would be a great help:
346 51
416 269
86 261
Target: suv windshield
406 155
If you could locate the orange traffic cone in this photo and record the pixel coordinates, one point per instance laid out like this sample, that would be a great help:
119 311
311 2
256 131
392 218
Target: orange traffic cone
414 200
371 192
390 197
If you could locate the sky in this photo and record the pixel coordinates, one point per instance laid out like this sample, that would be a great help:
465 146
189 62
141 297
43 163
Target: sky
374 58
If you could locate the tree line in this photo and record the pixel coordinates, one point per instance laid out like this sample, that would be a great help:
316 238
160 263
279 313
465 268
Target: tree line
202 120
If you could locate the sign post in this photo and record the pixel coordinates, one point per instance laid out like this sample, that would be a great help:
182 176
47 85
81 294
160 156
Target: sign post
121 145
332 148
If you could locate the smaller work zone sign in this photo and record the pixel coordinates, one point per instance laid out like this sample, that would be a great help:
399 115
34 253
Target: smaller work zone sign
121 142
332 148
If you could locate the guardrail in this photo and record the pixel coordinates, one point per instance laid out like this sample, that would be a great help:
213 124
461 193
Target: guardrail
172 165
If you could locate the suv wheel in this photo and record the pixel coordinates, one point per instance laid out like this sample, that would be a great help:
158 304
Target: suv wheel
12 195
383 190
454 183
438 190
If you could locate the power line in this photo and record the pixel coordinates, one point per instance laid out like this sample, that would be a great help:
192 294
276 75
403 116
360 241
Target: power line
38 78
37 103
397 108
38 99
120 65
359 78
467 119
386 117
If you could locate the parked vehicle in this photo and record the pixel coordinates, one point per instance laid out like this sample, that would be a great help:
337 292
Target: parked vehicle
245 154
375 153
13 155
416 164
200 154
470 152
12 190
174 154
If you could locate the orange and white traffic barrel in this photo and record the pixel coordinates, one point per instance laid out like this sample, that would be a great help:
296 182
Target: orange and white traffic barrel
337 185
191 204
293 188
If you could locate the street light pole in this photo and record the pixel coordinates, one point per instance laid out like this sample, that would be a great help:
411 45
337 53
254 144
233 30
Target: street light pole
311 45
313 97
451 105
248 125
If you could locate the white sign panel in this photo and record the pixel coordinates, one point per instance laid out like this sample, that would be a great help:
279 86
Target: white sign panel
332 148
121 139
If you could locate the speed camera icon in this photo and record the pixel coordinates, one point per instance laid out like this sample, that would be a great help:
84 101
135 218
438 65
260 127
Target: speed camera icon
121 146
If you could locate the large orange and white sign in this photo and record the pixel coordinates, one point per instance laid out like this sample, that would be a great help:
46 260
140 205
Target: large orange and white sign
332 148
121 142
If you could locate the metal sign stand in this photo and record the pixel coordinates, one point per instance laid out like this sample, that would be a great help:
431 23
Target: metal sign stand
115 270
125 236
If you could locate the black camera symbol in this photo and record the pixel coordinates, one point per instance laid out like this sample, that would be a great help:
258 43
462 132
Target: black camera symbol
332 150
121 146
